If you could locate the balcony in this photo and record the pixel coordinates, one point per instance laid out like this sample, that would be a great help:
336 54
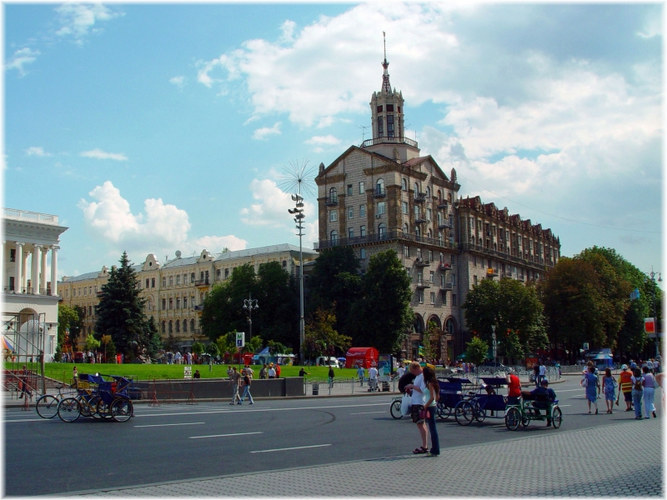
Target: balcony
445 266
202 283
420 220
447 286
386 236
331 201
379 193
389 140
419 262
442 205
422 284
420 197
444 225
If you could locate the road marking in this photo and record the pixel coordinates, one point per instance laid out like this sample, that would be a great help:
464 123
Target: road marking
170 425
292 448
224 435
367 412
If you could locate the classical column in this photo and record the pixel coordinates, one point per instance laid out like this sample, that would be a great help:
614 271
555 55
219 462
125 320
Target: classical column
34 274
54 268
42 273
19 268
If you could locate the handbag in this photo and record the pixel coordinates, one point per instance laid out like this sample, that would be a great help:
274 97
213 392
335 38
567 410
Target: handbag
405 405
423 414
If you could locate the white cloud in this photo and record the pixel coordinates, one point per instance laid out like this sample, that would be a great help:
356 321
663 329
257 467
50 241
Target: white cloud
98 154
21 58
178 81
78 20
264 132
36 151
161 228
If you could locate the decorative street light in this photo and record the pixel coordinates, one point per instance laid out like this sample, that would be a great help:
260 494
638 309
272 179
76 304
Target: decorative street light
298 214
250 305
652 276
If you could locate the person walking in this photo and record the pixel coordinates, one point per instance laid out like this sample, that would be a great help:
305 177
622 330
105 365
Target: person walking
649 393
247 380
360 375
331 377
431 395
609 389
235 379
373 378
637 392
592 385
417 406
625 387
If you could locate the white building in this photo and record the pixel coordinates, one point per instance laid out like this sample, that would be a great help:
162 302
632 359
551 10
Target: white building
29 290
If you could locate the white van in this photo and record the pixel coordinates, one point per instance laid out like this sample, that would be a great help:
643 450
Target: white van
326 361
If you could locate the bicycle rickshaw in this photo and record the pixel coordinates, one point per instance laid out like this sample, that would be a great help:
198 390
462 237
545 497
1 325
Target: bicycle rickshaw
452 392
475 406
98 398
532 408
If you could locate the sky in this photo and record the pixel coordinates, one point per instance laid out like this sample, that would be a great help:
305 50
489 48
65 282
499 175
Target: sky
157 127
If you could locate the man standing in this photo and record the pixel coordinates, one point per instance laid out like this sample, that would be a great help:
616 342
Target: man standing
235 379
372 378
625 387
514 387
417 405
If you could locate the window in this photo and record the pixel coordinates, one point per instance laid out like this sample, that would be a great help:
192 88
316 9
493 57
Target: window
349 189
381 207
178 302
404 207
185 303
362 231
420 295
404 184
429 214
428 192
390 125
185 325
333 195
432 276
362 253
361 187
406 228
164 304
380 126
382 230
333 215
333 237
152 282
379 187
164 281
178 326
192 277
178 279
12 255
406 251
417 212
432 298
171 281
171 303
350 233
147 282
350 213
362 210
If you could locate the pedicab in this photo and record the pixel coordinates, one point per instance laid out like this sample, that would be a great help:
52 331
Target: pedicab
97 397
533 407
485 399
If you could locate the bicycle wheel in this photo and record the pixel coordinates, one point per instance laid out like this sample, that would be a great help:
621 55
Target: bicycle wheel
443 411
478 412
464 413
512 418
69 409
47 406
556 417
103 409
121 409
89 405
395 409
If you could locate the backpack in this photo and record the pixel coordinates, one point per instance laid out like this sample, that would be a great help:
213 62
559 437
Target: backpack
638 384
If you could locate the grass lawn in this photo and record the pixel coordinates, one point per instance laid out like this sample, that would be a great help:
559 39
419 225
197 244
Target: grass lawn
63 371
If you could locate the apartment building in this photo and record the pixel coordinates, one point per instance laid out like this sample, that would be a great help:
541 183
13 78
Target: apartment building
384 195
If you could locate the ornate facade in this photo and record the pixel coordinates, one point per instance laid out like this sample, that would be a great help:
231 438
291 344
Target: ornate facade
384 195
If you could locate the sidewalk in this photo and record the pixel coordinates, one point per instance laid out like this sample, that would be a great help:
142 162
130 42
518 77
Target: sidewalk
620 460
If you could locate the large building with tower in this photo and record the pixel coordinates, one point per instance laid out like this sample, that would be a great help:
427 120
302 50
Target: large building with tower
384 194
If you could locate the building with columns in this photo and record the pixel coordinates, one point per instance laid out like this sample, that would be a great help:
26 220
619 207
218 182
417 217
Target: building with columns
30 291
175 289
384 194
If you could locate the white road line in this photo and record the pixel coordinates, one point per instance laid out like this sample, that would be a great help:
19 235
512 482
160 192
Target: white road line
224 435
170 425
367 412
292 448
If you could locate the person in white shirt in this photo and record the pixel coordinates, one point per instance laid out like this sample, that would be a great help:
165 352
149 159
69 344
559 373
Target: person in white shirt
372 378
417 388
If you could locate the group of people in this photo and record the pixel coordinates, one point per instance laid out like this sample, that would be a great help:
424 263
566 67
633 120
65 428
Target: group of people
636 384
373 375
269 371
241 381
424 390
542 395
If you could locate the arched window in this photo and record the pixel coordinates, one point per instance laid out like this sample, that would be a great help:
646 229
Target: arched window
185 326
439 195
192 325
333 237
171 327
417 232
382 230
404 184
406 229
333 195
379 187
416 189
428 192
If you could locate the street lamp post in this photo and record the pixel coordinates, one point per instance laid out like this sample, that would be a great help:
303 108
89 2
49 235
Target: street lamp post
297 211
250 305
652 276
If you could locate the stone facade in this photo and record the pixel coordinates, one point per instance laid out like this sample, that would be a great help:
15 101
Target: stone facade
385 195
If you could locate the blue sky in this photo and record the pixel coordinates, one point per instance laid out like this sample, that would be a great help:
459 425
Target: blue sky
153 128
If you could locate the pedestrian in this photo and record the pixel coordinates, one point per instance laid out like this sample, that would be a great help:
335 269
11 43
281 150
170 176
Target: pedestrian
197 374
637 391
235 379
373 378
542 373
417 406
247 381
263 373
431 396
536 375
609 389
277 370
360 374
592 385
331 377
400 371
272 371
625 387
649 393
303 372
513 387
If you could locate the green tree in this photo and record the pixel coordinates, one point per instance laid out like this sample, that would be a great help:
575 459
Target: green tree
430 342
476 350
278 298
120 311
154 339
321 336
69 321
197 348
226 345
383 315
92 344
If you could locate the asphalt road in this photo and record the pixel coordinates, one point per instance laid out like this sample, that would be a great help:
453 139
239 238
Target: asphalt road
179 441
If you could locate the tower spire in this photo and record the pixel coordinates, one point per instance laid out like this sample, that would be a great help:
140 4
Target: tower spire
386 86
